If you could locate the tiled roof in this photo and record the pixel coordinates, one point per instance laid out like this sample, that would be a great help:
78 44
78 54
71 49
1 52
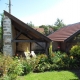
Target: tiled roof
65 32
41 30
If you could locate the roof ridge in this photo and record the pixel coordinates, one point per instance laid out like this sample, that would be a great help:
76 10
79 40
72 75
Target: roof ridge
73 24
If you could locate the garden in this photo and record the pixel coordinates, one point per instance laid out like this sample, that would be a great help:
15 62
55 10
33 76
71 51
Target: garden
57 66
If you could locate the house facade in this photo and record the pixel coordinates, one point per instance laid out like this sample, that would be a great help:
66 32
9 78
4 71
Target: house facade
64 38
18 36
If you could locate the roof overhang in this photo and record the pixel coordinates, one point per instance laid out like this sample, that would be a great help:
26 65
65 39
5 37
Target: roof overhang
26 29
72 36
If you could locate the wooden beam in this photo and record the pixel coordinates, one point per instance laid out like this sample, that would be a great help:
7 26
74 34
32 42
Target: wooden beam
17 35
30 47
40 45
31 39
26 32
47 49
36 43
24 41
76 33
27 36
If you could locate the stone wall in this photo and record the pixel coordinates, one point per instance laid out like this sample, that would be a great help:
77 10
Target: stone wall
7 36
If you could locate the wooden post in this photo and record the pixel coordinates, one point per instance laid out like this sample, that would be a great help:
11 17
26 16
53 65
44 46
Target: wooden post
47 48
30 47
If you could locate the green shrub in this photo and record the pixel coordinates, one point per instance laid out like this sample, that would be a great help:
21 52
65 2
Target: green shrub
29 65
42 58
57 57
54 67
10 68
42 67
75 51
5 77
26 67
16 68
60 60
42 63
5 63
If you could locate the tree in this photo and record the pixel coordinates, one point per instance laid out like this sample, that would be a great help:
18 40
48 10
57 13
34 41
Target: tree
46 29
1 32
58 24
30 24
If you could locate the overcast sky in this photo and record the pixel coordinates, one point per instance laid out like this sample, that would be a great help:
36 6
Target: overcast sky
44 12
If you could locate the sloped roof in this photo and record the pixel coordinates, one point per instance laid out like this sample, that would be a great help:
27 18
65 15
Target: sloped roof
65 33
26 29
41 30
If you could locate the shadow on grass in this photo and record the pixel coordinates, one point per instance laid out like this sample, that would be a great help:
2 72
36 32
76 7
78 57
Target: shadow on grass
77 73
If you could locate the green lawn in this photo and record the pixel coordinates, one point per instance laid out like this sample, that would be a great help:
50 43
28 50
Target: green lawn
55 75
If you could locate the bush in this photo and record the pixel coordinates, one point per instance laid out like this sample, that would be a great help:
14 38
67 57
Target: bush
75 51
16 68
42 63
5 63
60 60
42 58
10 68
26 67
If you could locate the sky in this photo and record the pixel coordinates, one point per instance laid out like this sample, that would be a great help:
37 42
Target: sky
44 12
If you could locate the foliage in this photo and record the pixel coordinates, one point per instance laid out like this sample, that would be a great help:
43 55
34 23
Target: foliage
75 51
63 61
28 65
15 69
57 60
46 29
1 32
6 77
5 63
30 24
58 24
11 68
43 63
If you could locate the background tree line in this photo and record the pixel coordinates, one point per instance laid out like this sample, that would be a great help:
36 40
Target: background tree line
57 25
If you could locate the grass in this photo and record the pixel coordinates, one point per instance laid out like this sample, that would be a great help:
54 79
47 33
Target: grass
55 75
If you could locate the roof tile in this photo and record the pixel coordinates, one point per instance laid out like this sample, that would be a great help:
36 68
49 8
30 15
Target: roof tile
65 32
